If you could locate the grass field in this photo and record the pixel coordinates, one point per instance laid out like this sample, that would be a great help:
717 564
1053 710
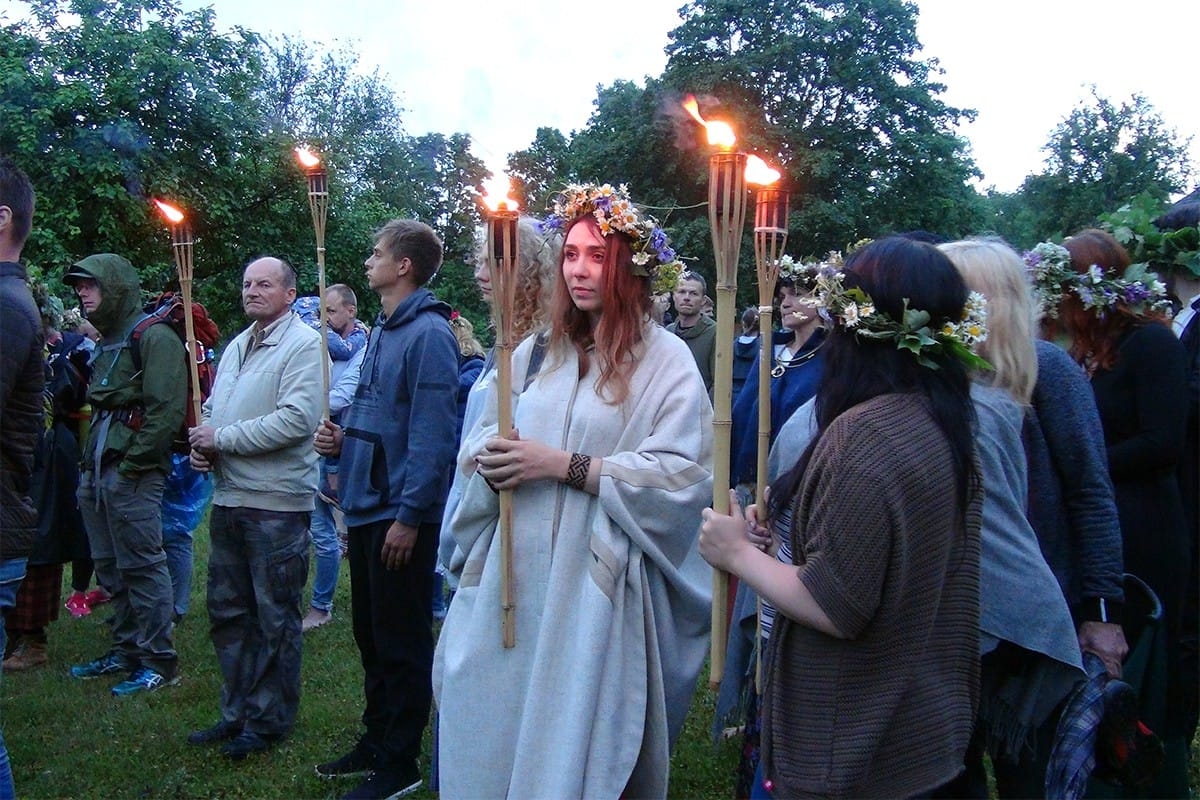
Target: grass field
72 739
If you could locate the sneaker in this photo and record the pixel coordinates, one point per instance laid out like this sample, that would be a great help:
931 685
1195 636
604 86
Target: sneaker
386 784
221 732
247 742
358 762
78 605
104 665
96 597
143 679
315 618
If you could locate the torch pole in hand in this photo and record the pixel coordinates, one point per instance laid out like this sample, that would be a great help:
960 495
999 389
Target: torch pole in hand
727 217
502 255
181 246
771 208
318 201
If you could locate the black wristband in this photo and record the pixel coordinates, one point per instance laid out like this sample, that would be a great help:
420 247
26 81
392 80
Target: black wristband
1100 609
577 471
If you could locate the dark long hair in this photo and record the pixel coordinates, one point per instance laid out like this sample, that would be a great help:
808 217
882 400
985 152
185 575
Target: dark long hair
858 369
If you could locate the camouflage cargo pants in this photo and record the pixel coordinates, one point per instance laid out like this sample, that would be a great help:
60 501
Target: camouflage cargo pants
256 575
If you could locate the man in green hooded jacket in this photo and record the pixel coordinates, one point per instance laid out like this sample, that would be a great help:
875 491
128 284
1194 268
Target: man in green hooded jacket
135 417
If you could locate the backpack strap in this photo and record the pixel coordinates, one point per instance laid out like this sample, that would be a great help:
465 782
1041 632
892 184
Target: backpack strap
535 360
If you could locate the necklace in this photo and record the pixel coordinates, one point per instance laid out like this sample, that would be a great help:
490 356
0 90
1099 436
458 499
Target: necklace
782 366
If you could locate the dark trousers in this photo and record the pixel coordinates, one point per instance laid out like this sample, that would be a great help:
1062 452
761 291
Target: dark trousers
393 627
256 575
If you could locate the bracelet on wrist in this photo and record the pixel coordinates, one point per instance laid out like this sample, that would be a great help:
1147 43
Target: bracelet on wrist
577 471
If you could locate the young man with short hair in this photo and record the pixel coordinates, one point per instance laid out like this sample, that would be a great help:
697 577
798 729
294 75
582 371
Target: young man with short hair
397 447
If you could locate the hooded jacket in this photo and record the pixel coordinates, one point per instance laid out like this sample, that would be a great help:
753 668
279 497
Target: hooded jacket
400 430
157 394
701 339
22 376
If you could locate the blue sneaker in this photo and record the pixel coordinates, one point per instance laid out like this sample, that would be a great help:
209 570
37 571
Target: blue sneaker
143 679
104 665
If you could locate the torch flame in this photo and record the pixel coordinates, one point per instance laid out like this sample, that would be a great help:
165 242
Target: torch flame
496 193
719 133
759 172
173 215
306 158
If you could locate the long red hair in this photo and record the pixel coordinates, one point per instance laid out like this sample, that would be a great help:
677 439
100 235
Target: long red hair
1094 338
622 322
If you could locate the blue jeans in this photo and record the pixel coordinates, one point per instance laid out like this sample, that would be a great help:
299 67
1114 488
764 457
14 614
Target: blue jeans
12 572
328 552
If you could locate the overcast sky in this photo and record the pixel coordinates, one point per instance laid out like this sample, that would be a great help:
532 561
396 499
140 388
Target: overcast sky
498 71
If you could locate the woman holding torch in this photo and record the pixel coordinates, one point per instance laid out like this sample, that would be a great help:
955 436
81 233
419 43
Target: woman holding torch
871 676
610 465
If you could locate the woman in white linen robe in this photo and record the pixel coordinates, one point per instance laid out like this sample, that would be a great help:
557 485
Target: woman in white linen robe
610 469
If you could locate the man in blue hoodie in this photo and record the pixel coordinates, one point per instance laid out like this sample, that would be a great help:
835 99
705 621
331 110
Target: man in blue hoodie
397 448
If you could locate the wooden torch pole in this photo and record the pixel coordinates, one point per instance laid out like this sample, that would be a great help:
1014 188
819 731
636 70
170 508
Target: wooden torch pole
770 236
502 255
318 203
727 217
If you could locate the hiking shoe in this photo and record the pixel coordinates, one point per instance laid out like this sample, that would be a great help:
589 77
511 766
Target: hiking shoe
386 784
106 664
78 605
358 762
143 679
221 732
28 655
245 743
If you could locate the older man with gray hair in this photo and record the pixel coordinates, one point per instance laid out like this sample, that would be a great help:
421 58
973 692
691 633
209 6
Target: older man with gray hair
255 437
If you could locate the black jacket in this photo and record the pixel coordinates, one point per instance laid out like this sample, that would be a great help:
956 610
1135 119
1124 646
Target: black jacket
22 378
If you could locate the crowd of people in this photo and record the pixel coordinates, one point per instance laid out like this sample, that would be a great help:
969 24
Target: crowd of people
981 502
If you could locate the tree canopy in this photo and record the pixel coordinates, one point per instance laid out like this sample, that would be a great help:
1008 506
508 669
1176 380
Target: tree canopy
110 103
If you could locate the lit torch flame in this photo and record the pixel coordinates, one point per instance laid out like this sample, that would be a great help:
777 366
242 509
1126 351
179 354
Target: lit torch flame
720 133
759 172
173 215
306 158
496 193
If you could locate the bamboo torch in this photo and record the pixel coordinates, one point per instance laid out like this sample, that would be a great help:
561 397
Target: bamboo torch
318 202
501 217
181 246
727 217
771 208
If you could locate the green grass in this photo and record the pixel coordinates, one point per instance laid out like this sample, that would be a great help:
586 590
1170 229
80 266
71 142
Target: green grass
72 739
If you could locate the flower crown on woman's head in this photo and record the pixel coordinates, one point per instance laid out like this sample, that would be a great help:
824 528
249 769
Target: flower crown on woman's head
1049 267
805 273
1098 289
614 211
915 331
1139 289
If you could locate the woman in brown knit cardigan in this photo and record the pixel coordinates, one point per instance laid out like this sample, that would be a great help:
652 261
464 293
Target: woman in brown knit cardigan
871 678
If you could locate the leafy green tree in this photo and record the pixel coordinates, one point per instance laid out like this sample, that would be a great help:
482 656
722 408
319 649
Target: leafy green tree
1101 155
539 170
834 92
